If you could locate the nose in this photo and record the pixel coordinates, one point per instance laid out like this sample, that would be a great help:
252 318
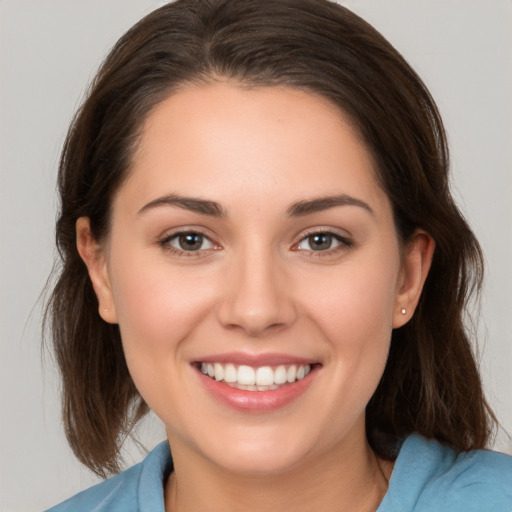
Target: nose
256 295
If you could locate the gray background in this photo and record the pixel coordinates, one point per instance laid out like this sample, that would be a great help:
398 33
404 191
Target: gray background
49 50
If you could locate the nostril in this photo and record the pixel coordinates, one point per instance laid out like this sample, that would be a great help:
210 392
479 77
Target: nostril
255 296
255 321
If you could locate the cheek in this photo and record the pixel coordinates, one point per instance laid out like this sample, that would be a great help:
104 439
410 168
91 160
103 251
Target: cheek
350 309
355 312
157 306
356 303
157 311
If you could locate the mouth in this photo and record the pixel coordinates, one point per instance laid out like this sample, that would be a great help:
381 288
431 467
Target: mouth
259 378
255 384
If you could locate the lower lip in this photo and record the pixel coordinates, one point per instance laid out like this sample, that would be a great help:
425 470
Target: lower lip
257 401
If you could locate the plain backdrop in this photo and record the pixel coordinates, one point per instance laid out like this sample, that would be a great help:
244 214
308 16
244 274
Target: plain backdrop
49 51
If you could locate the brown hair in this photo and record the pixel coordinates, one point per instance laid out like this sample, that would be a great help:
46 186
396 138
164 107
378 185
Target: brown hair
431 383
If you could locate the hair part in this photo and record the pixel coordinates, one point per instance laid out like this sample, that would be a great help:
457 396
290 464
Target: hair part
431 384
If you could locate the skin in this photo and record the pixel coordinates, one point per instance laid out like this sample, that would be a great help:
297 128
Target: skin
256 286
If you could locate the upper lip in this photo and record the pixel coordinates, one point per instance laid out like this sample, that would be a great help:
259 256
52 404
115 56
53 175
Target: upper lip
255 360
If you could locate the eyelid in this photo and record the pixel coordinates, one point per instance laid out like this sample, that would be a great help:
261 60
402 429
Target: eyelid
345 241
169 235
204 239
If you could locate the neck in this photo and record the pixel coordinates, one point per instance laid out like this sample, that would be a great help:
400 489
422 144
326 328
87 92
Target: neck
354 480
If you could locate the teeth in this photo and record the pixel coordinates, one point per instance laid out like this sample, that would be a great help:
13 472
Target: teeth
230 373
263 378
246 376
219 371
280 375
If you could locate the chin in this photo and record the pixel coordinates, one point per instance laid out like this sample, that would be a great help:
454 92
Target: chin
259 452
254 461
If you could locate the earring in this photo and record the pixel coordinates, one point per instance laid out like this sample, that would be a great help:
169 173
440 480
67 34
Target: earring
403 311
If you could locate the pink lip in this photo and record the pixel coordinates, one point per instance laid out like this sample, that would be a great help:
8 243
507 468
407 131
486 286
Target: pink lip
257 401
254 360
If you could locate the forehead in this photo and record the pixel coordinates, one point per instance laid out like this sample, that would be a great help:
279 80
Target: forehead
224 140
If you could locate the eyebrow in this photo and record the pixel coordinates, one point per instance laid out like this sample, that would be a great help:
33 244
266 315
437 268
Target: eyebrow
302 208
202 206
214 209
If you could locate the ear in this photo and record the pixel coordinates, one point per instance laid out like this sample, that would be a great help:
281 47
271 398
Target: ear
416 261
94 258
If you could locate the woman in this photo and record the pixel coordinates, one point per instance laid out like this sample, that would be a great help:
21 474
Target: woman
260 245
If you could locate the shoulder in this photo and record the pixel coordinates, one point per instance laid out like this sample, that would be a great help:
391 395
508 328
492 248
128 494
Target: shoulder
429 476
142 483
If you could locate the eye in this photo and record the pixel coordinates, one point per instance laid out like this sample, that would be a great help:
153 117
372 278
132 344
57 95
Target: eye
322 241
189 241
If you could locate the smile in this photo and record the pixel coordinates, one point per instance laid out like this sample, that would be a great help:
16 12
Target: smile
262 378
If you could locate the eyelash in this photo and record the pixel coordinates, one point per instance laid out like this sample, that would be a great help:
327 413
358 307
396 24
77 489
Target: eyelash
165 243
343 244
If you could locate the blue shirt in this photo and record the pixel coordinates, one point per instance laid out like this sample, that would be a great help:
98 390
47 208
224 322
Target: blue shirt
427 477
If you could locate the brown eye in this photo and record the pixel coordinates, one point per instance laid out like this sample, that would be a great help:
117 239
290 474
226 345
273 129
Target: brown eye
187 242
190 241
320 241
323 241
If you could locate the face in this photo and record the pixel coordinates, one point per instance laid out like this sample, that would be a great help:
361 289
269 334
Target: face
256 276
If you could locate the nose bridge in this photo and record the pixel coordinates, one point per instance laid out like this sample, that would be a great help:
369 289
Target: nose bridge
256 296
